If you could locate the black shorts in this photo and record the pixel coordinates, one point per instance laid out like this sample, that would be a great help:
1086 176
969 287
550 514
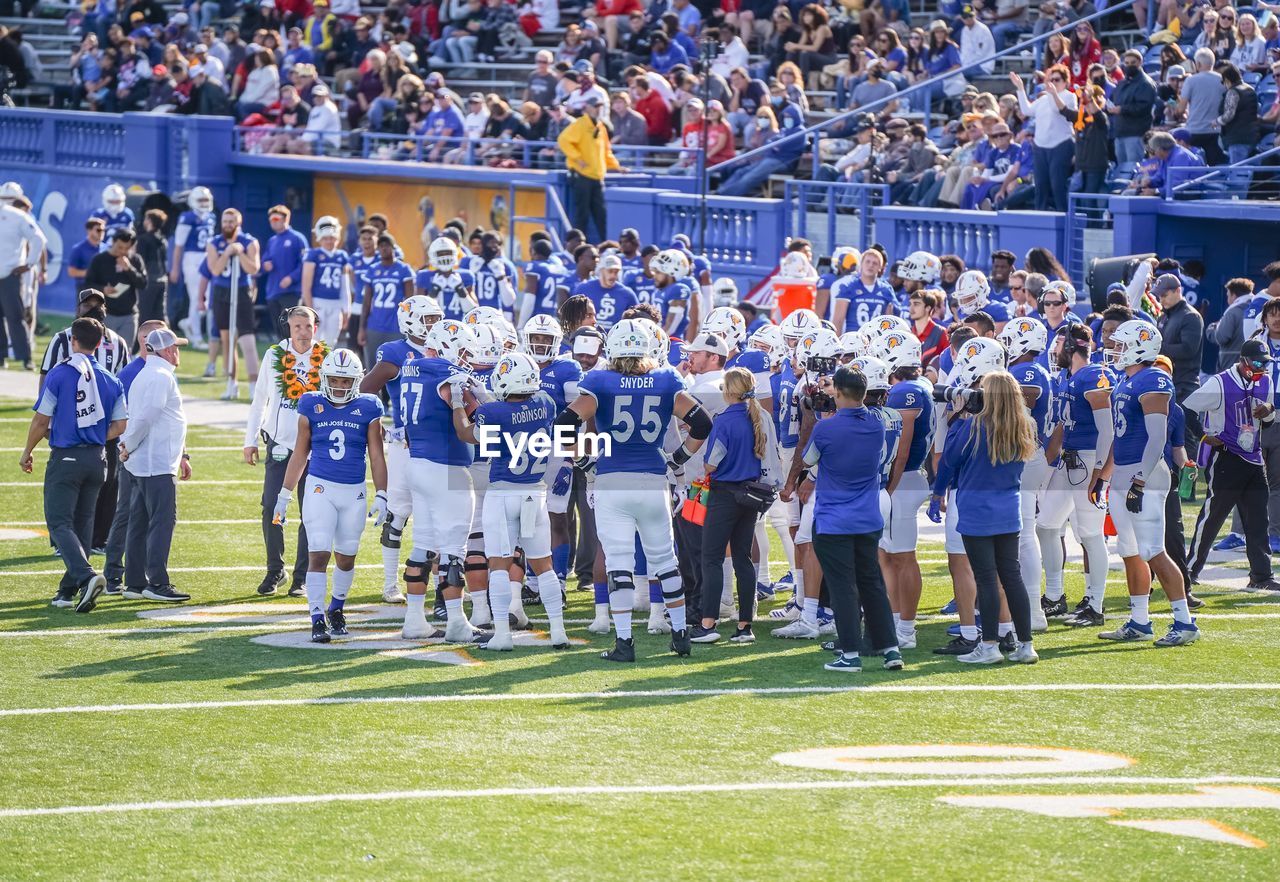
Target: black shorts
246 322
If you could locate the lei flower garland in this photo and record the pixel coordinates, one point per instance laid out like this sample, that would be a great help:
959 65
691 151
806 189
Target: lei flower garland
290 381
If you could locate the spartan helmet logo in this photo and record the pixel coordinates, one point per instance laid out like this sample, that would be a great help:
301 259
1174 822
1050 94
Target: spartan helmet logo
884 324
972 350
1144 335
893 341
1025 326
809 340
505 367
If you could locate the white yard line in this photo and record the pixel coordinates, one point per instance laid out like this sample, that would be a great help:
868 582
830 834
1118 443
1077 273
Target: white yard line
903 688
192 483
225 569
300 620
627 790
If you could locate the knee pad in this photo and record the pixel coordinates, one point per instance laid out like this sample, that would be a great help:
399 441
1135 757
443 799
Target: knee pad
671 595
453 577
620 580
423 567
476 563
390 535
520 560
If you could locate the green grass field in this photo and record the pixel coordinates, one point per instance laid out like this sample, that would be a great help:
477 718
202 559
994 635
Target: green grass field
187 745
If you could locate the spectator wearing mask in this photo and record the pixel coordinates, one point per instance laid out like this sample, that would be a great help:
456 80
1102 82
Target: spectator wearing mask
1201 102
1092 143
784 149
1132 103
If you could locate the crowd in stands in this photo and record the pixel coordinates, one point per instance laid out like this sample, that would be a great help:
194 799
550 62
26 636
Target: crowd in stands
916 103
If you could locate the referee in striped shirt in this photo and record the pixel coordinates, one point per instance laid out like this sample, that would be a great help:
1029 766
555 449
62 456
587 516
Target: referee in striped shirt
113 354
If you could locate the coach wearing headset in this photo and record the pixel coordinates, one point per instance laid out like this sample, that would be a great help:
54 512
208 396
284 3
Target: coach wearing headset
843 454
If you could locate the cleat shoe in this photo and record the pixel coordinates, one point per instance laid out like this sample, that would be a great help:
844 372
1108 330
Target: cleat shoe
421 630
63 600
765 591
798 630
460 631
658 623
623 651
599 625
297 589
789 613
893 660
99 550
743 635
1229 542
495 643
982 654
1083 604
1129 632
439 611
1025 654
319 632
392 594
115 589
165 593
134 592
826 623
949 609
272 583
679 643
1194 602
1039 622
518 621
1054 609
87 598
1008 643
232 392
958 646
1180 634
907 640
1085 618
338 625
850 664
1266 586
704 635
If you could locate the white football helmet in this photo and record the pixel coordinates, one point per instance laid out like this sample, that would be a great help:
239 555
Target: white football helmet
876 372
797 324
977 358
630 338
442 254
200 200
483 315
973 292
1135 342
489 346
1023 335
845 260
415 315
542 326
818 351
661 345
724 292
768 339
113 198
670 262
327 226
897 349
451 339
338 364
515 374
921 266
728 323
883 324
1058 286
851 344
9 191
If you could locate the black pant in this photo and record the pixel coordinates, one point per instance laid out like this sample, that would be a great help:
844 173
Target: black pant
1175 538
586 543
72 481
851 571
586 204
689 562
353 330
11 313
277 307
1234 483
273 534
152 302
728 522
117 536
105 514
1208 142
996 558
153 515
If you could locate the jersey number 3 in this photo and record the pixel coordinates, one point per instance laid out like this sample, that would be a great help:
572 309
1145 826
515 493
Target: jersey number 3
339 448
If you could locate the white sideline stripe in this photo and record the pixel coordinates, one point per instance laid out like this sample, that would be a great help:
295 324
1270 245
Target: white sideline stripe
241 569
624 790
297 625
638 693
196 482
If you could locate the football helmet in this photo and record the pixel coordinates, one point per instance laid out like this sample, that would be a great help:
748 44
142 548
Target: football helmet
489 346
845 260
327 226
630 338
113 198
337 364
516 373
797 324
443 254
897 349
728 323
1023 335
724 292
921 266
415 315
818 351
876 372
973 292
200 200
542 326
977 358
1135 342
451 339
670 262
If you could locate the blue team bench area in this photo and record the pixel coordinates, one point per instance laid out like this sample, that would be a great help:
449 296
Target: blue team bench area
63 160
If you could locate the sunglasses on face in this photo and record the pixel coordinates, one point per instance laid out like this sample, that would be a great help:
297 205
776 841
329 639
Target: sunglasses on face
1054 302
1257 365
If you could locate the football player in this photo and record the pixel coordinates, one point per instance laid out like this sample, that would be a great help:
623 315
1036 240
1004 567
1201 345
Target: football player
339 435
857 298
545 284
442 280
196 226
609 296
114 212
327 280
670 270
495 275
844 262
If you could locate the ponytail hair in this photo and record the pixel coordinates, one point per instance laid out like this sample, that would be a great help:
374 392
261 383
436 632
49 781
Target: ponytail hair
740 383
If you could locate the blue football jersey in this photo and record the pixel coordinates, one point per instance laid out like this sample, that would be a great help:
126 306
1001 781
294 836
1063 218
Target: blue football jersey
915 395
1126 410
634 411
428 419
455 292
487 284
510 420
865 303
642 284
330 272
672 294
339 435
786 412
610 303
220 243
360 266
397 352
756 361
1029 374
560 380
387 284
115 221
1073 410
197 230
892 435
551 279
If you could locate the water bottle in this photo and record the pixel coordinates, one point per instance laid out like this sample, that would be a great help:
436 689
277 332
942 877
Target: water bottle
1187 483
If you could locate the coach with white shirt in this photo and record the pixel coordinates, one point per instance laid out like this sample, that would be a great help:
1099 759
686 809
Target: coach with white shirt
21 244
152 450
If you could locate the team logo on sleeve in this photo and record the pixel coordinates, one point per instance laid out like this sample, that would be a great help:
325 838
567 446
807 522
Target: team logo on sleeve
319 408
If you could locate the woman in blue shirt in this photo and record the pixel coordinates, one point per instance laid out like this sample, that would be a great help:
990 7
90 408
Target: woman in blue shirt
984 462
740 448
845 450
940 56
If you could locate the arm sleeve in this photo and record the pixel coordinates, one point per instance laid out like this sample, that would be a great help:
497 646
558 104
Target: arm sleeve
1207 399
1106 436
1157 431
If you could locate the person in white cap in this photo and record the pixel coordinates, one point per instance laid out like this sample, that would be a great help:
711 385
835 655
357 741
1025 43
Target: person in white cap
21 244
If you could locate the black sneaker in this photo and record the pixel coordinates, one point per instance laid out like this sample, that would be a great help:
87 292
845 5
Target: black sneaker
133 592
1008 643
528 595
1082 605
743 634
298 589
680 642
114 588
704 635
274 579
957 646
623 651
166 593
1268 586
319 633
1086 618
892 660
1194 602
338 624
438 610
1054 609
87 598
64 599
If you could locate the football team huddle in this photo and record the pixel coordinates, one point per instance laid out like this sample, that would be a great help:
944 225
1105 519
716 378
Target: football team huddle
483 508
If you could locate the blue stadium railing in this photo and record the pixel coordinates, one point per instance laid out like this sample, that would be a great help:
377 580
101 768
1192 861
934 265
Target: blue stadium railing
1221 181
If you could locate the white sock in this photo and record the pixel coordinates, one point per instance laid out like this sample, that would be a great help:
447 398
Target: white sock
1181 612
810 611
621 602
602 610
1096 546
480 601
317 586
453 608
552 603
1052 561
897 620
1004 628
906 627
342 580
1139 609
797 576
415 611
500 597
969 632
762 542
390 567
516 605
677 613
